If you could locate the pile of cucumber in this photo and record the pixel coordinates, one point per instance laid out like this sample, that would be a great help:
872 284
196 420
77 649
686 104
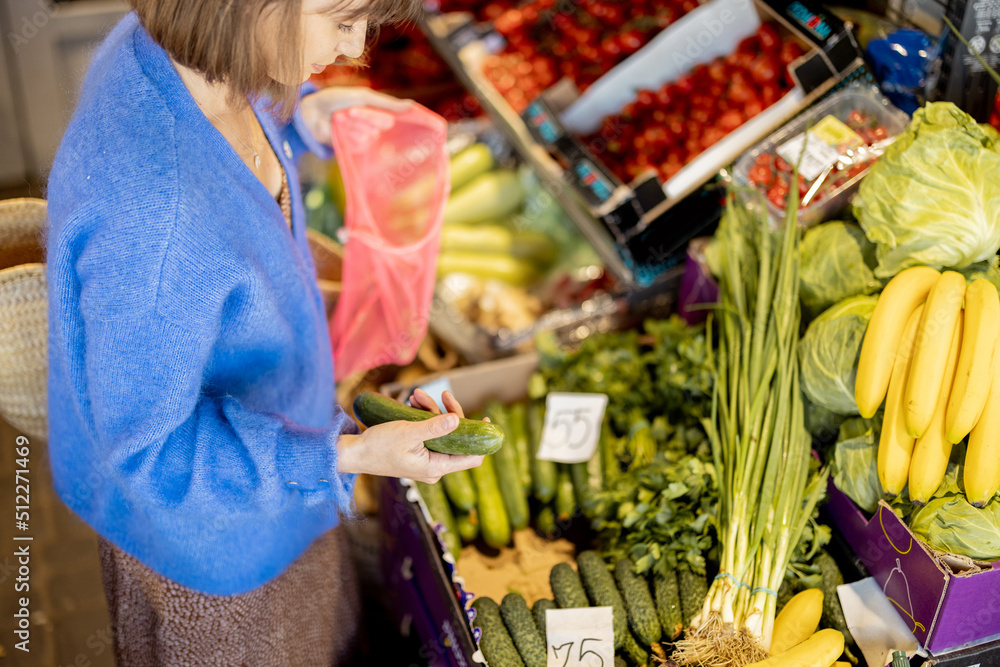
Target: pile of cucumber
513 488
645 613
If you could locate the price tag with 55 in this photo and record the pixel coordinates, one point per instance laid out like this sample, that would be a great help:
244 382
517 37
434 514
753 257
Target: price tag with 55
572 426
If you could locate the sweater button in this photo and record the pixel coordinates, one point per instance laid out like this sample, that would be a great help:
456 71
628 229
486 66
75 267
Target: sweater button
288 150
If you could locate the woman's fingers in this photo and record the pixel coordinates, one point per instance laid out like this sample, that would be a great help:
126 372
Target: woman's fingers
439 465
451 404
422 401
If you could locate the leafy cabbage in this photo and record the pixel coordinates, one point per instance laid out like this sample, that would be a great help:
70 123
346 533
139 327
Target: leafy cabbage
828 354
949 523
836 261
934 197
854 455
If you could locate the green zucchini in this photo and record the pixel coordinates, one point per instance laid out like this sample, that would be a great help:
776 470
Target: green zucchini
544 473
545 521
461 493
493 238
638 602
468 524
521 626
470 162
493 522
693 589
517 420
567 587
586 477
607 447
490 196
511 270
602 592
636 655
565 494
668 602
833 613
538 610
471 437
440 511
508 474
495 643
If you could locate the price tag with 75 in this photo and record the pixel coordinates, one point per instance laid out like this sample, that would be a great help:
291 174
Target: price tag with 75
572 426
579 637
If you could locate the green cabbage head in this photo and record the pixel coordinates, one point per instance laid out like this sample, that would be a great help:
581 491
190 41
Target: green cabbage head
933 198
836 262
828 354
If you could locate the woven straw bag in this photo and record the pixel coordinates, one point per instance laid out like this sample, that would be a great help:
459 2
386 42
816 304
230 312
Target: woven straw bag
328 256
23 316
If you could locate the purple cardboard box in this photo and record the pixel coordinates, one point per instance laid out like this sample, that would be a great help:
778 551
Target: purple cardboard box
422 582
946 602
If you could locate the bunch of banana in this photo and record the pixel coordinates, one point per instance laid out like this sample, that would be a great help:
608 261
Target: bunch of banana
934 362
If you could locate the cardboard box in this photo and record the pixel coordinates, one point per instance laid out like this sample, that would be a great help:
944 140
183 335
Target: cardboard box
949 602
430 590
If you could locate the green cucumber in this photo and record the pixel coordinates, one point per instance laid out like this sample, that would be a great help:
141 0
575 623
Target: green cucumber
602 591
638 602
636 655
495 643
468 524
509 475
833 613
521 626
440 511
461 493
693 588
517 420
668 602
565 494
567 587
471 437
541 606
493 522
544 473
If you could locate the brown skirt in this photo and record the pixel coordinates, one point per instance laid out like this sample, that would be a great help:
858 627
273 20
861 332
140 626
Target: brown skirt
309 615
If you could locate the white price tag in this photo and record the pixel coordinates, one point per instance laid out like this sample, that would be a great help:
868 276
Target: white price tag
572 426
580 637
435 389
817 157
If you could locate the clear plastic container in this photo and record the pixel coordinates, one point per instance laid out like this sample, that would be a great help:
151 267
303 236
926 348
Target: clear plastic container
848 131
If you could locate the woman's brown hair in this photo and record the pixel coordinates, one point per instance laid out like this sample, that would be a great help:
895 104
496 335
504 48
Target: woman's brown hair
218 39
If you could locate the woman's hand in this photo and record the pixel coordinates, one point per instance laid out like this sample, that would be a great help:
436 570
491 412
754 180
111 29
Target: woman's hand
396 449
319 106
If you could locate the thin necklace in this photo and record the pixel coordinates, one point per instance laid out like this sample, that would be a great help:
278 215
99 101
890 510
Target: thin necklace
251 147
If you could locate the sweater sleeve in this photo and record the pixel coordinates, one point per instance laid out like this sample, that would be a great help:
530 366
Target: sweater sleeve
172 442
298 136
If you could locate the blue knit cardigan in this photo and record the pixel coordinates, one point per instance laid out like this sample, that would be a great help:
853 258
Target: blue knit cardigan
192 419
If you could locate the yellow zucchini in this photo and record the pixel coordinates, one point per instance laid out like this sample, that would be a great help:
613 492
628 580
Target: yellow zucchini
820 650
797 621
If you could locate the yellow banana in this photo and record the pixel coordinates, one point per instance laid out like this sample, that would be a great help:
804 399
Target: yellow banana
982 458
899 298
896 445
932 449
975 365
942 313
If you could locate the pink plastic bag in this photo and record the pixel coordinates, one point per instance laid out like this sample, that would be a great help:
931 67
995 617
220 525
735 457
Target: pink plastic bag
395 171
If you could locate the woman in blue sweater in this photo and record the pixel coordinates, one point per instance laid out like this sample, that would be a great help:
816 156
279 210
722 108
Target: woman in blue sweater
191 395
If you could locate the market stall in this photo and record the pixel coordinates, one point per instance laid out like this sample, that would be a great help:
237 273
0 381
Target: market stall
732 316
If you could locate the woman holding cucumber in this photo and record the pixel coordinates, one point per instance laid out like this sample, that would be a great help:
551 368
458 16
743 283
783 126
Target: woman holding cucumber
192 420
